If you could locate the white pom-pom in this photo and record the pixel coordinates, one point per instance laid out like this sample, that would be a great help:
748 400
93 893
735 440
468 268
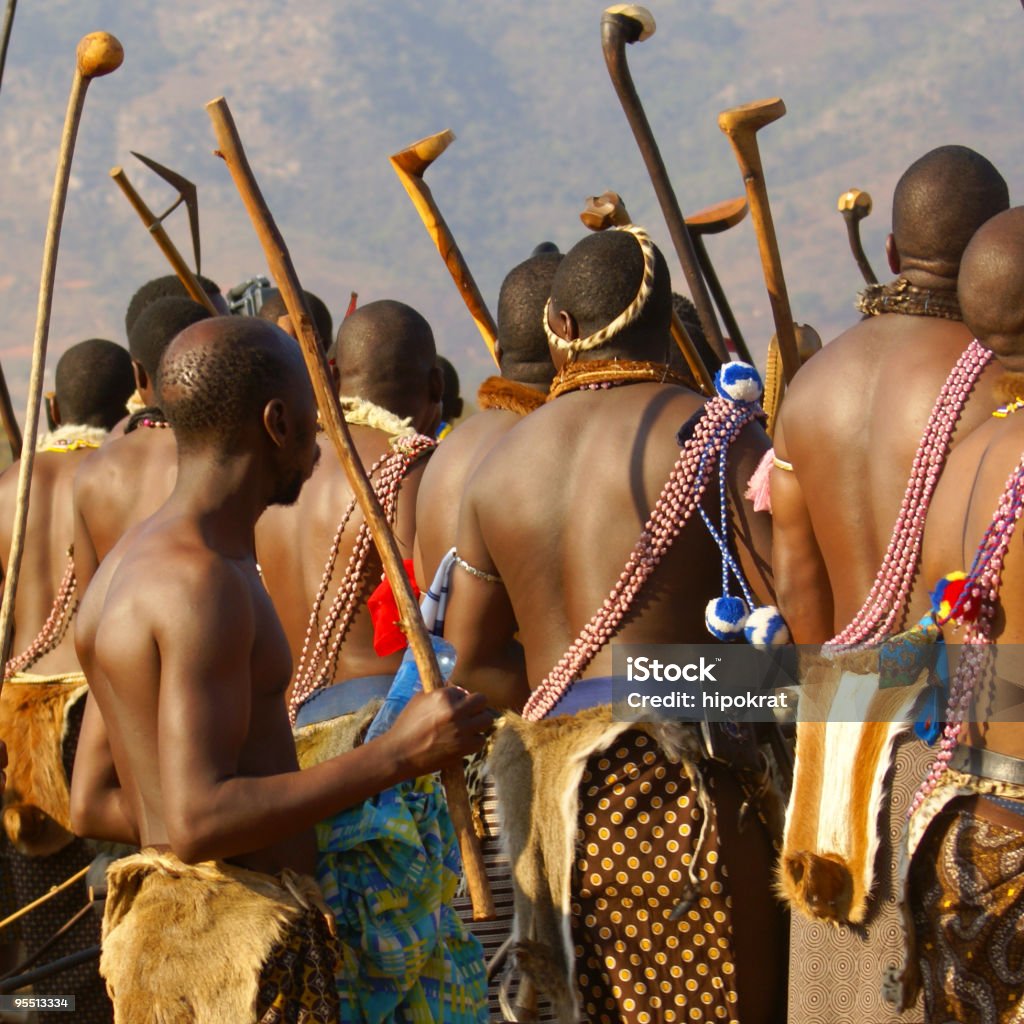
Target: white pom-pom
765 627
725 617
739 382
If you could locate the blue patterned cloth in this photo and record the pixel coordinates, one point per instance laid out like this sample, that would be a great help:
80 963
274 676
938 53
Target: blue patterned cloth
389 869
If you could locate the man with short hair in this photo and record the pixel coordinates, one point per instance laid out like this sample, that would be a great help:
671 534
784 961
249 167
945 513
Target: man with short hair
163 287
968 825
853 429
525 367
606 820
44 688
188 665
132 475
415 957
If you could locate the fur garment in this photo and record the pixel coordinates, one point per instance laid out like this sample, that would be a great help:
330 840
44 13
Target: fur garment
186 943
320 741
34 716
537 768
509 396
848 727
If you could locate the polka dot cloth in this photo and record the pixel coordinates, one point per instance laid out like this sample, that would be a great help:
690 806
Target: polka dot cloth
639 822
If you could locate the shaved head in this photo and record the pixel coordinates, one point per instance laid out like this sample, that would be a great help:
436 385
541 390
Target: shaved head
991 286
218 375
525 356
940 201
385 354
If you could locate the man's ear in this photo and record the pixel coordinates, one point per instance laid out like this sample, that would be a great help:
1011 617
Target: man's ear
141 377
54 406
567 326
275 422
892 254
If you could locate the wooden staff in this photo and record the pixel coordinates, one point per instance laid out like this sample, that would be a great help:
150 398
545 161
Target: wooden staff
280 266
712 221
98 54
5 38
628 23
608 210
855 204
410 165
155 227
741 125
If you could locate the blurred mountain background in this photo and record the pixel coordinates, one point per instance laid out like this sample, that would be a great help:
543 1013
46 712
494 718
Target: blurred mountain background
323 92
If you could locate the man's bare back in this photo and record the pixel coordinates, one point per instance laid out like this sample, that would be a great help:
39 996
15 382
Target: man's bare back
292 545
850 426
127 480
557 506
444 481
48 537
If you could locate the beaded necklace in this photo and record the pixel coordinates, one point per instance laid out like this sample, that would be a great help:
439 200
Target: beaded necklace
887 600
322 646
54 629
983 583
600 374
721 422
900 296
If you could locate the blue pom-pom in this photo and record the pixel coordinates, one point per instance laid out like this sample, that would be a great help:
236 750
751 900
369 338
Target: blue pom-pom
765 627
739 382
725 617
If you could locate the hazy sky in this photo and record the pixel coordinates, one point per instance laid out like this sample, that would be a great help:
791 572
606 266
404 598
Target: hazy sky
323 92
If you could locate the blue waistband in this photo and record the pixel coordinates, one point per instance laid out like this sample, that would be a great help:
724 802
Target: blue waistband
342 698
583 694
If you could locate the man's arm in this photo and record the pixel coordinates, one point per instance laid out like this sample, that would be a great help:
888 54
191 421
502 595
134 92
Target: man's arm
801 577
480 623
211 810
98 807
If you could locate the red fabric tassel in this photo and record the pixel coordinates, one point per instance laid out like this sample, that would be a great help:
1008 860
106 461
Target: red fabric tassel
388 637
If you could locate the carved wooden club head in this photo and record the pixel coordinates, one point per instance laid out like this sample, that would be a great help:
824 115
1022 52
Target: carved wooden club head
98 54
415 159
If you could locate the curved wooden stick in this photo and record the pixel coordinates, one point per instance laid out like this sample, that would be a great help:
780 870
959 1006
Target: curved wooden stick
280 265
855 204
195 290
608 210
98 54
741 125
629 24
410 165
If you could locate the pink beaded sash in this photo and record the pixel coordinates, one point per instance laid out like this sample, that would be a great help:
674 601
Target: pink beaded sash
53 630
719 425
889 595
983 583
319 658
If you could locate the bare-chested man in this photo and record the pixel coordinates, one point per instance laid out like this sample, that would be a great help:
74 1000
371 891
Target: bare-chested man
391 391
131 476
547 526
93 380
852 420
966 891
188 665
846 440
44 691
414 957
526 372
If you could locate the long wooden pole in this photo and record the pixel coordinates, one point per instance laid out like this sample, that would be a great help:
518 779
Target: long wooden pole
410 165
281 268
741 125
629 24
98 54
5 38
195 290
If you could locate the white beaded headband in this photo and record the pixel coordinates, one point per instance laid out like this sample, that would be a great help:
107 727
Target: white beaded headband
627 316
